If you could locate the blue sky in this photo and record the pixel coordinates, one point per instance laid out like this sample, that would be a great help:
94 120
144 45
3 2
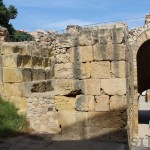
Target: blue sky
57 14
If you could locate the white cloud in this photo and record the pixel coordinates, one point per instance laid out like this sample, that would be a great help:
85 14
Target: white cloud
63 24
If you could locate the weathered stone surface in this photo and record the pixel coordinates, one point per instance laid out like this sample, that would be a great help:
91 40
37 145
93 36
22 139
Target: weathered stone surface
63 71
17 60
87 38
84 103
67 87
38 74
10 48
102 119
81 53
100 69
118 69
118 35
109 52
37 62
64 103
102 103
114 86
91 86
12 89
63 58
82 70
118 102
97 133
16 75
67 118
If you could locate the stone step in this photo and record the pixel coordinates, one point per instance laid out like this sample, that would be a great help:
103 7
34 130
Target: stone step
18 75
24 61
24 49
37 87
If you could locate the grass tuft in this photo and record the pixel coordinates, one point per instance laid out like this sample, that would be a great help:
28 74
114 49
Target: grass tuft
11 123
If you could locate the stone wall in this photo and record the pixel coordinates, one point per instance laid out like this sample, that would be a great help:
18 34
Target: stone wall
77 85
4 35
93 82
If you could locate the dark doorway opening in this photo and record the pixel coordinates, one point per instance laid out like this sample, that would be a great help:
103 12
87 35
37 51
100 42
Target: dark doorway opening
143 67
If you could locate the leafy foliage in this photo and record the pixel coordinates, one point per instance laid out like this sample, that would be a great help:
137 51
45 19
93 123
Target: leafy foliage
6 14
11 123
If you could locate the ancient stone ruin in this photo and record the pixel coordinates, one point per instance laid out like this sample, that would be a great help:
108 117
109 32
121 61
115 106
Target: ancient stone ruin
78 85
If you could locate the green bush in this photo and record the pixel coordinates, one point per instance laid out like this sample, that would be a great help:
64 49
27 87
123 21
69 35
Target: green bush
19 36
11 123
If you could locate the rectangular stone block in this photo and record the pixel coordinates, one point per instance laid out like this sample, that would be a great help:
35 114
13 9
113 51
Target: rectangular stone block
105 119
63 58
11 89
118 35
109 52
67 87
20 103
81 53
91 86
102 103
64 103
100 70
46 62
118 102
97 133
10 48
118 69
84 103
37 62
38 74
63 71
16 75
147 96
17 60
82 70
114 86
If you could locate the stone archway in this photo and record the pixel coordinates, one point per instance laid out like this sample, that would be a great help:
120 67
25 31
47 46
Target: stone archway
140 58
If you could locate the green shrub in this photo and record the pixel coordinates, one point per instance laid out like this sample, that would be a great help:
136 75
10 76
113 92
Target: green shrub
11 123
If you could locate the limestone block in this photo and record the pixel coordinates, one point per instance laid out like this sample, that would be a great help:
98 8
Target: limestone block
81 53
102 103
114 86
100 69
85 53
118 69
67 118
64 103
82 70
105 119
63 58
97 133
91 86
109 52
12 89
10 48
20 102
67 87
17 60
16 75
37 61
87 38
118 35
63 71
118 102
84 103
46 62
38 74
24 61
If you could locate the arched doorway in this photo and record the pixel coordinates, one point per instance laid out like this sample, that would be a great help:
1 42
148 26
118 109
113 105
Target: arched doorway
143 67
